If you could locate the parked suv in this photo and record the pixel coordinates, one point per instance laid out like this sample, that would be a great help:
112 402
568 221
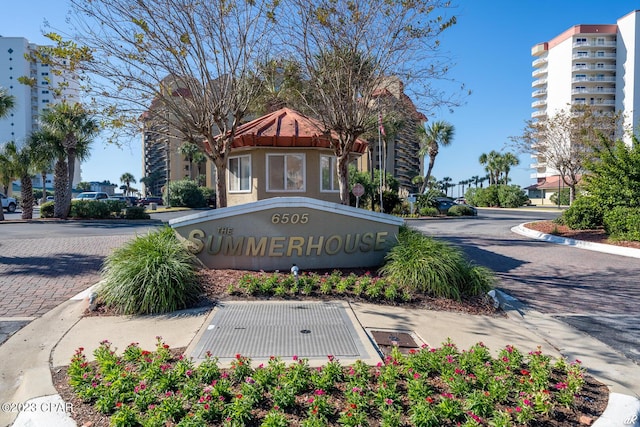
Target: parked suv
8 203
92 195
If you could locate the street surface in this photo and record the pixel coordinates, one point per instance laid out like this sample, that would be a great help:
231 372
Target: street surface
594 292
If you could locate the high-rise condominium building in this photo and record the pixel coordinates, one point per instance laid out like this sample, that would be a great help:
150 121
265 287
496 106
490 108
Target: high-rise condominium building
30 101
596 65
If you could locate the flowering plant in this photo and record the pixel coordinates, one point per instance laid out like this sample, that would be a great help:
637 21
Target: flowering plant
426 387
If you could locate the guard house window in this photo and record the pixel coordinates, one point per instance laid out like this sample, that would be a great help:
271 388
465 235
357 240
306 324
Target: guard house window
239 174
329 174
285 172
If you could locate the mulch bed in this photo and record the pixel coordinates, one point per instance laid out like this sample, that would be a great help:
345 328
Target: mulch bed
589 406
594 236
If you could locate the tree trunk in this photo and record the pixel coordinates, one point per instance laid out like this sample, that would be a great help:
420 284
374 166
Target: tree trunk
343 177
432 160
61 206
27 196
44 187
221 181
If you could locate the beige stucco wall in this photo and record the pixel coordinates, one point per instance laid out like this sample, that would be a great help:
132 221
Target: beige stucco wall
259 176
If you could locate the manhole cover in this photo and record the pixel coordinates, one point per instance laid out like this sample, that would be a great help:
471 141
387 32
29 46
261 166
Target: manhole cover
386 340
261 330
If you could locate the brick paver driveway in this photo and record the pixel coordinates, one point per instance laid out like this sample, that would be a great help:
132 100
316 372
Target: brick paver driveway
36 275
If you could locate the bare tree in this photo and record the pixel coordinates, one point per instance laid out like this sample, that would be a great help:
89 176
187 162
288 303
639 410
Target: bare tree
566 140
183 63
349 49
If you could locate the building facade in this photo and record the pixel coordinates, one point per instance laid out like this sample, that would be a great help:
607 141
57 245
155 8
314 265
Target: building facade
30 100
595 65
397 146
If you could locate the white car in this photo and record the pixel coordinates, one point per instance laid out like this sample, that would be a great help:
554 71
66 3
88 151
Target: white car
8 203
92 195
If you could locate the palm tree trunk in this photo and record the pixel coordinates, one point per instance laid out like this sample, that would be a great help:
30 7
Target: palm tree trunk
61 206
428 175
27 197
44 187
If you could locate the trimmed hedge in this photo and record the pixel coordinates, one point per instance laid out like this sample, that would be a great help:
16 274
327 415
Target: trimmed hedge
623 223
585 213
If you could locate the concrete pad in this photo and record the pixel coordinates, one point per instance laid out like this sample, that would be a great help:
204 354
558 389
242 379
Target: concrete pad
24 371
434 327
176 329
610 367
45 411
622 410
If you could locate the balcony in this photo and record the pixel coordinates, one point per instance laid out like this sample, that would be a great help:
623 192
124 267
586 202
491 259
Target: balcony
537 175
538 93
592 67
593 90
539 62
595 102
606 55
539 114
539 82
539 72
539 104
592 79
607 43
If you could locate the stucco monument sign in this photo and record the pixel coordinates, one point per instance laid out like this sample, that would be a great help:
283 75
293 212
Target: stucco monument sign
273 234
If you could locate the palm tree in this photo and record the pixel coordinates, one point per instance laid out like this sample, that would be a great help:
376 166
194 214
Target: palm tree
439 133
192 154
492 165
127 179
72 130
18 161
6 104
445 184
43 153
508 160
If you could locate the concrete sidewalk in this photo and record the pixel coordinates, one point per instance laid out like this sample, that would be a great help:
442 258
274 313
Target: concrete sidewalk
51 340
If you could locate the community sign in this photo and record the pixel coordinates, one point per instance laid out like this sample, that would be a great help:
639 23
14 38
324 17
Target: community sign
276 233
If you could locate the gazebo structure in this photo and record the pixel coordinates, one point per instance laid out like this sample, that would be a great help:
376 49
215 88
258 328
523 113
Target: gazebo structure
283 154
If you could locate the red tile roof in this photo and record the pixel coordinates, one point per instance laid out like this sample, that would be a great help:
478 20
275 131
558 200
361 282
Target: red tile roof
286 128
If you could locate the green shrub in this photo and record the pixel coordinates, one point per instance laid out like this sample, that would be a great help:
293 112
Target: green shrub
428 211
460 210
136 212
471 196
487 196
115 207
585 213
89 209
564 197
209 194
46 210
511 196
150 274
186 193
422 264
622 223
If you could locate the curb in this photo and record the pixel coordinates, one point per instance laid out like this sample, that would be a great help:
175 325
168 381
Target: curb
580 244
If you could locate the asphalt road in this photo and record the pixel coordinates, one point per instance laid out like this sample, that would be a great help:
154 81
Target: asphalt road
594 292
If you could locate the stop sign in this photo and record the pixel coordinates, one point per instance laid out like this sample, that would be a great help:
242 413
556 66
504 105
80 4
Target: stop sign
358 190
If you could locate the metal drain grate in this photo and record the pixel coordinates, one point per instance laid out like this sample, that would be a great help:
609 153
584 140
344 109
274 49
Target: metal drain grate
260 330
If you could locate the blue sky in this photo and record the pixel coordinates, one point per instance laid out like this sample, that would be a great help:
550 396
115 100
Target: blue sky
490 46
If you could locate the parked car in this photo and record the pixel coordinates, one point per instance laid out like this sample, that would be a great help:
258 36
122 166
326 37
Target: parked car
150 199
50 199
92 195
122 199
8 203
